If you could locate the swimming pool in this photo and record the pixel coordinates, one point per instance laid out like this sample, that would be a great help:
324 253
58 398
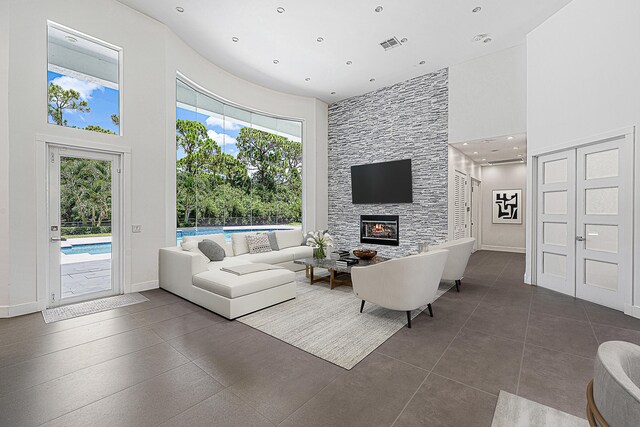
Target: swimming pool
91 249
105 248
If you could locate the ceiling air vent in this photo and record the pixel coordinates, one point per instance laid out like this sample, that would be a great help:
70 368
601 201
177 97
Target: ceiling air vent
390 44
502 162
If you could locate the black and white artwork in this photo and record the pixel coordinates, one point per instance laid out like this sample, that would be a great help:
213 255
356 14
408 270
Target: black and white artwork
507 206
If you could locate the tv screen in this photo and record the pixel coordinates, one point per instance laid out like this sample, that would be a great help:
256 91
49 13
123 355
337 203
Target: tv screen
387 182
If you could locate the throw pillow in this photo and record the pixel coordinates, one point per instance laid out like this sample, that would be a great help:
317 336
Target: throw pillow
273 241
258 243
211 250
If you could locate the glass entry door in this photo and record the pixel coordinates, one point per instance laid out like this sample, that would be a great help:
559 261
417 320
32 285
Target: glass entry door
84 225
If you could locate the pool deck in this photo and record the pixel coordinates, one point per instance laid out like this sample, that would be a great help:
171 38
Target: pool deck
85 277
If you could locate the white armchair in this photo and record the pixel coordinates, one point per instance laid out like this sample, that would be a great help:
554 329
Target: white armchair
459 253
401 284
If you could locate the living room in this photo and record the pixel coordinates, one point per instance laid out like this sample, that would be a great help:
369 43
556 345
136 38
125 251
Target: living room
192 121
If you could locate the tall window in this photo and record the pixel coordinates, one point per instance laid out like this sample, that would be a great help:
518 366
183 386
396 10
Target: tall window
235 167
82 82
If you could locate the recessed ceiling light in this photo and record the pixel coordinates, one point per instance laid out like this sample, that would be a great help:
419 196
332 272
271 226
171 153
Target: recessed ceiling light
519 155
475 152
71 39
180 9
480 37
319 39
333 93
307 79
280 9
515 148
487 40
484 160
509 137
349 62
275 61
476 9
235 39
466 143
379 9
423 62
404 40
372 80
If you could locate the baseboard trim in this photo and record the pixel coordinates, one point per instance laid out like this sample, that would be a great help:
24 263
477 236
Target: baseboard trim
632 310
145 286
19 309
503 249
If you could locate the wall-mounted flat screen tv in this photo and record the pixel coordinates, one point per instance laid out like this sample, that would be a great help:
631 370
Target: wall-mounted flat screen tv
386 182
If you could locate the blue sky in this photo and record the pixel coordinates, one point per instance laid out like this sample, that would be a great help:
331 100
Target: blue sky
226 139
103 102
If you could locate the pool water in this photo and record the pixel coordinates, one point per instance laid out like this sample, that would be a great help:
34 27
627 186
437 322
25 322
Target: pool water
105 248
91 249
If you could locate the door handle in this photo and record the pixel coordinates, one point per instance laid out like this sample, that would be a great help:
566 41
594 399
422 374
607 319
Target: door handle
580 239
58 239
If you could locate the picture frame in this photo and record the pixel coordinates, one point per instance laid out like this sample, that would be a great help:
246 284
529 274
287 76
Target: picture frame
507 206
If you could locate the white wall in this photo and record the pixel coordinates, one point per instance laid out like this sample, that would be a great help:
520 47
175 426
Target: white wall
583 65
152 55
487 96
4 155
458 161
502 237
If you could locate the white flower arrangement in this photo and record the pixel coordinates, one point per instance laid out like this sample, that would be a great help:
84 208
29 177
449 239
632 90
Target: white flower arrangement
320 241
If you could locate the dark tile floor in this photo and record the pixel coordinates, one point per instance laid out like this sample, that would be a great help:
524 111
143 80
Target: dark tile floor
169 361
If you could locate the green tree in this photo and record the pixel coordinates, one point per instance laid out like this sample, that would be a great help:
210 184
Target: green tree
64 99
95 128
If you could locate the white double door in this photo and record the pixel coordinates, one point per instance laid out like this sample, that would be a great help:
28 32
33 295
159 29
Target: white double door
585 222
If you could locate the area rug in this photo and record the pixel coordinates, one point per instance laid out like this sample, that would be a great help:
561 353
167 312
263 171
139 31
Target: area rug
89 307
327 322
516 411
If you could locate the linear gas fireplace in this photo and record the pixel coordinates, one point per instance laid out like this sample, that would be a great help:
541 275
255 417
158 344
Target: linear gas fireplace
379 229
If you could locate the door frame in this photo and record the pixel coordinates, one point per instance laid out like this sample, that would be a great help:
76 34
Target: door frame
632 299
42 144
56 153
478 245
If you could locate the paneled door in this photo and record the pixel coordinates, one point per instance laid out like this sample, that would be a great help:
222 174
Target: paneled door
604 223
556 222
84 225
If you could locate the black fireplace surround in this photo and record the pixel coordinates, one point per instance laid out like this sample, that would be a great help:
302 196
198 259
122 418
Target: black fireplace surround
380 229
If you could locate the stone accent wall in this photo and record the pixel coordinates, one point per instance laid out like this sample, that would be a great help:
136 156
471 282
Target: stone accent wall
406 120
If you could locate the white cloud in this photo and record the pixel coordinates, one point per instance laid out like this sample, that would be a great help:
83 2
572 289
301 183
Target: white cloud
85 89
227 124
221 138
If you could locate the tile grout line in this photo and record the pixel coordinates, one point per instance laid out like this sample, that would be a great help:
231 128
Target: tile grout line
524 345
590 324
410 399
466 385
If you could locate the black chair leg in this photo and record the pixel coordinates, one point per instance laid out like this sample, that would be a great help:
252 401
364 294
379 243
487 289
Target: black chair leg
361 306
458 283
409 318
430 310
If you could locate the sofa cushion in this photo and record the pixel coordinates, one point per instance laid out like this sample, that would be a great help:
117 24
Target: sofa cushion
289 238
273 257
219 238
299 252
273 241
230 285
239 243
211 250
258 243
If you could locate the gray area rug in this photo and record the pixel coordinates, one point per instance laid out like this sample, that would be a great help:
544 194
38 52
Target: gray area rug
89 307
516 411
327 322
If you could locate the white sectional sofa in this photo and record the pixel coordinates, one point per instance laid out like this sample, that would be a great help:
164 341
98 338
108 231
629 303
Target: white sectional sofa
186 272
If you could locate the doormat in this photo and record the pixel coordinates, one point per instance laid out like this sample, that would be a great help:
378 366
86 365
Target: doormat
70 311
